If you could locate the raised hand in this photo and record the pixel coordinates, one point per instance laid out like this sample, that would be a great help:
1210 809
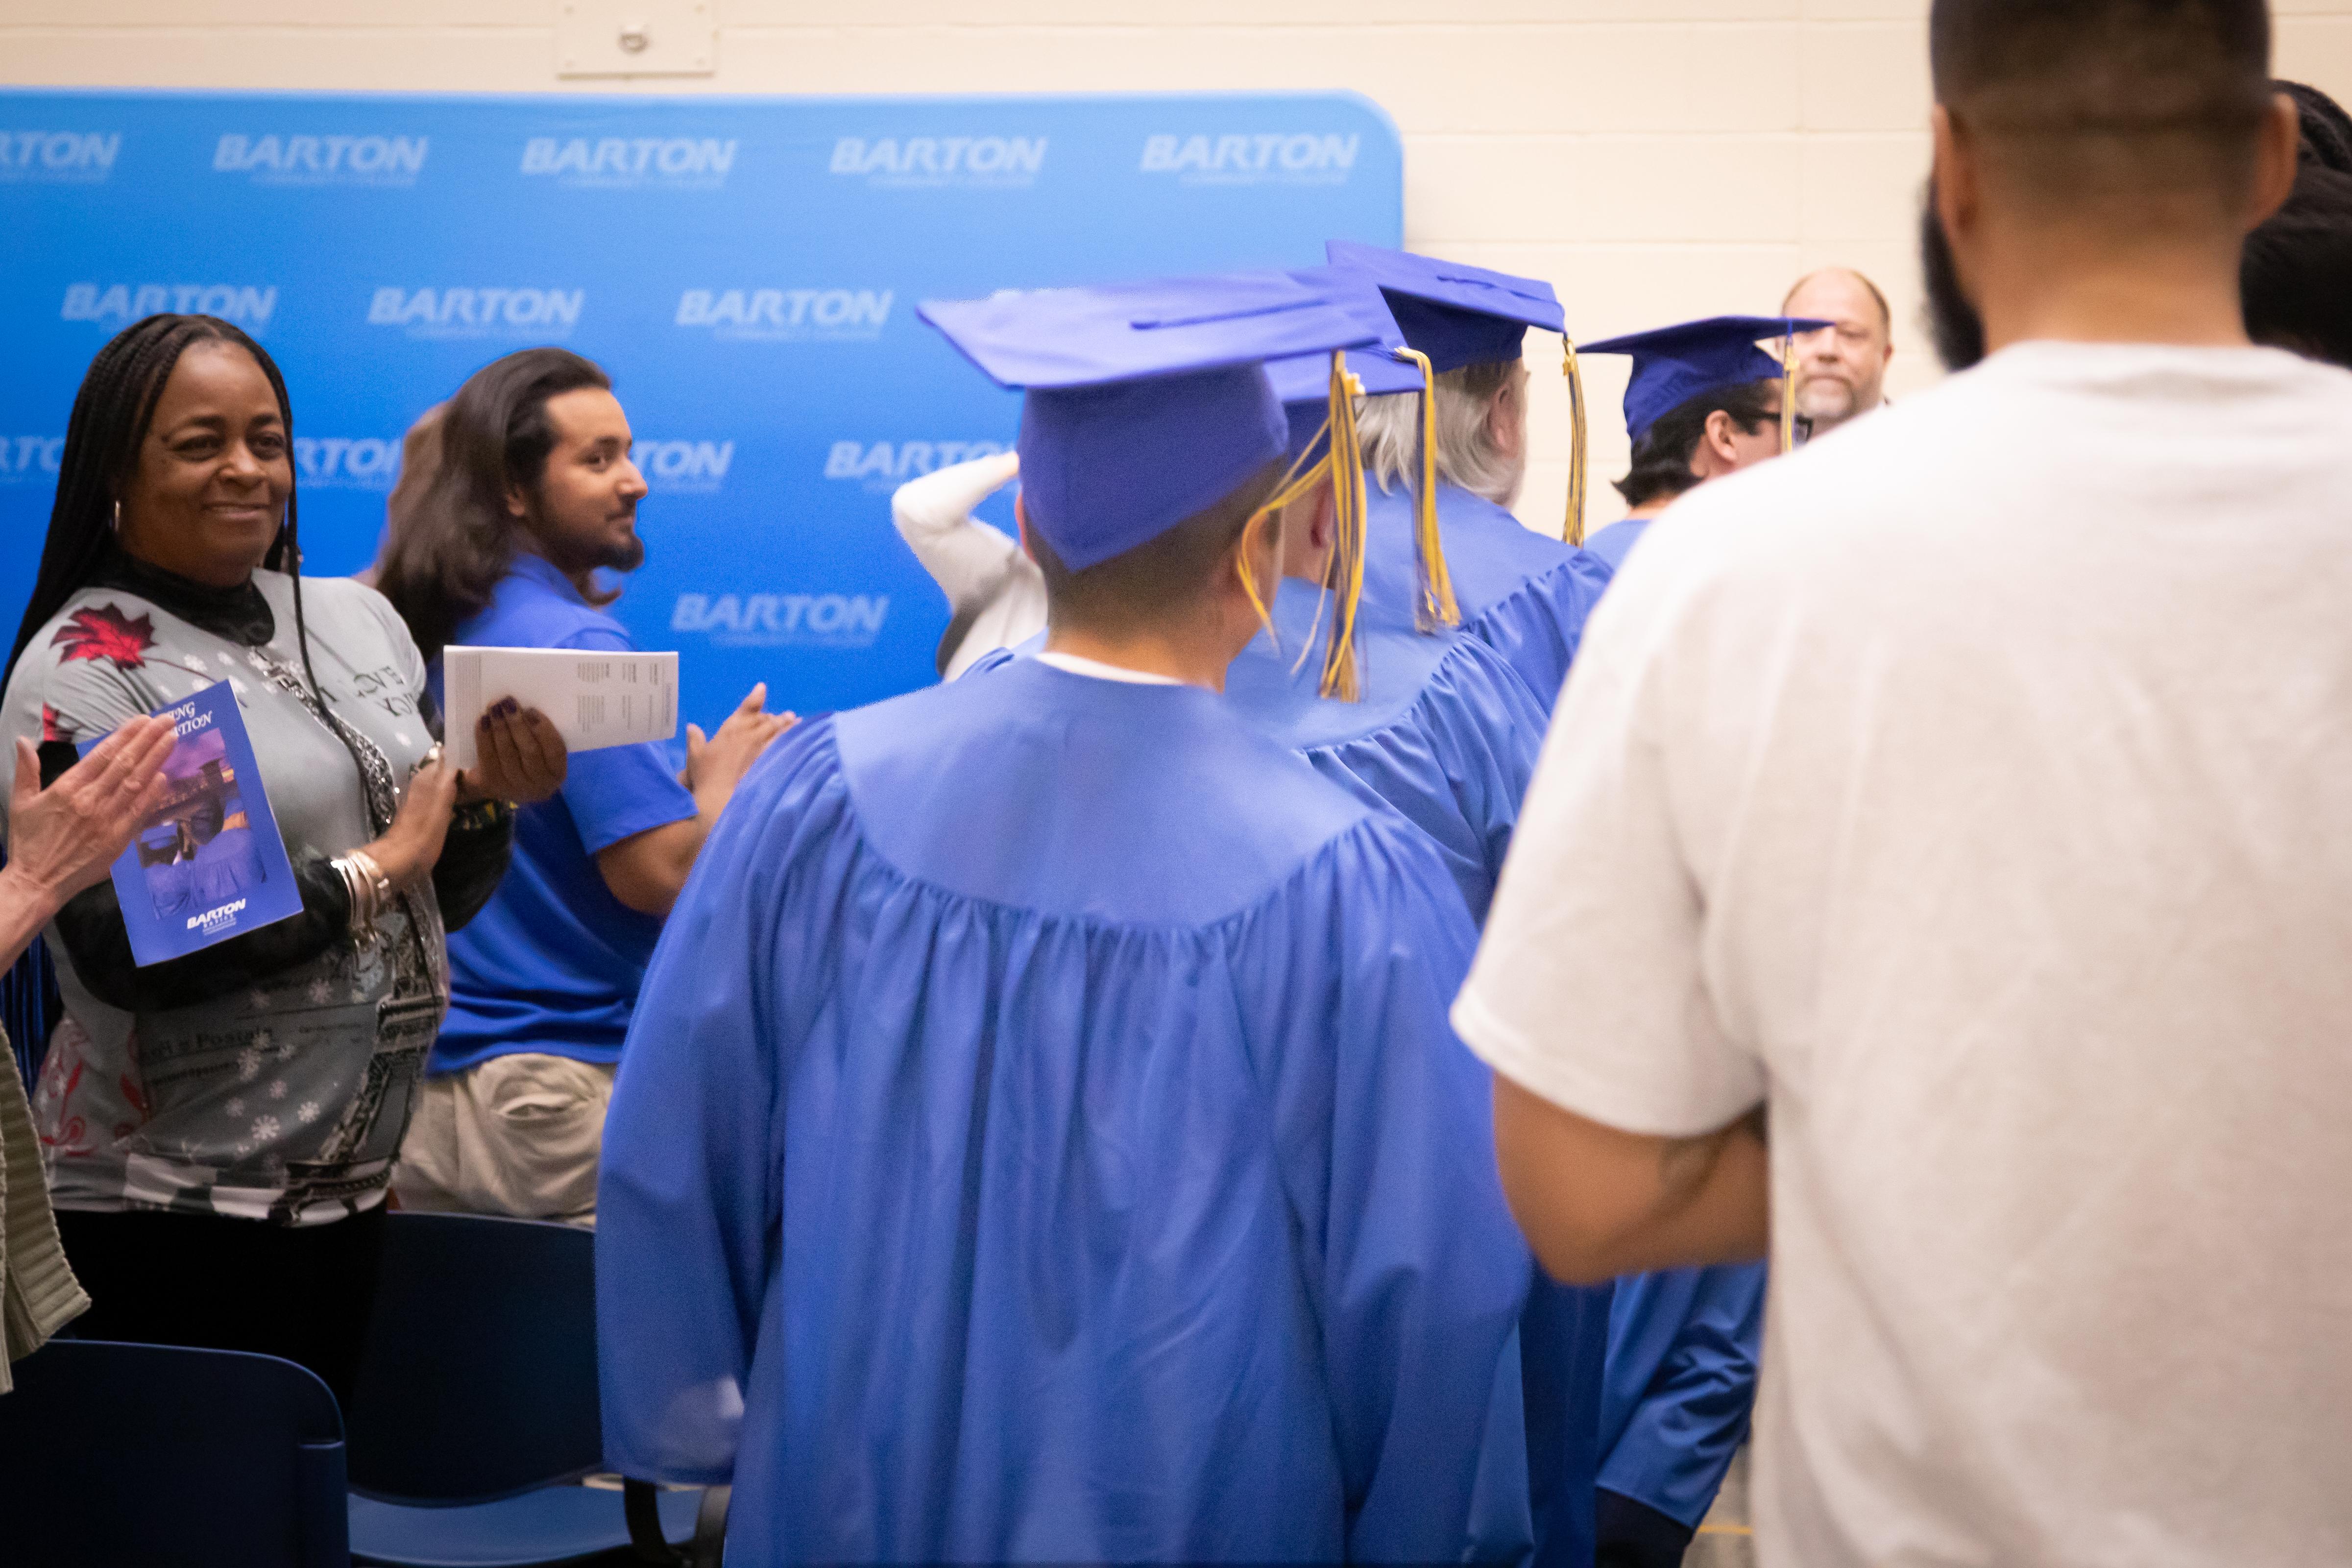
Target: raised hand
716 765
62 839
411 847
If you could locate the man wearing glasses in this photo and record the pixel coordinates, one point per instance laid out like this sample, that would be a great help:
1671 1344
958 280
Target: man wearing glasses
1704 401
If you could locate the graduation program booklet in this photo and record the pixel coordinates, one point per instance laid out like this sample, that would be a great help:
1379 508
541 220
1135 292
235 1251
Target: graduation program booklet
207 863
593 698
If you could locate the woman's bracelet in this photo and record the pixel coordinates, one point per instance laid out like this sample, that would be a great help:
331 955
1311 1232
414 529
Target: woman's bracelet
369 890
352 894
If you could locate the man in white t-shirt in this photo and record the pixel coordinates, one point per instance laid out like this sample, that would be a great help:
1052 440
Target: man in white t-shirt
1974 792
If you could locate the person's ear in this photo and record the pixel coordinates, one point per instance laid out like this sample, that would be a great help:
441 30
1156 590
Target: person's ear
1505 427
1956 178
517 502
1716 448
2278 150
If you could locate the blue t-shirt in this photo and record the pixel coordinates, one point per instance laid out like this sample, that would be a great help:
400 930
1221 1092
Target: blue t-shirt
553 961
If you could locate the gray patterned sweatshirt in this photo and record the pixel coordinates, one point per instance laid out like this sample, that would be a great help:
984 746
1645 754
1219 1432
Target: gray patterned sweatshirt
273 1090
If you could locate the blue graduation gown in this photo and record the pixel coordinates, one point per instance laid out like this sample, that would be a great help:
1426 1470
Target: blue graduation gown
1445 732
1041 1139
1616 542
1523 595
1683 1347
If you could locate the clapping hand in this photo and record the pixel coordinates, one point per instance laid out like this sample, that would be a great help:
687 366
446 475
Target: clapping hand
715 766
62 839
411 847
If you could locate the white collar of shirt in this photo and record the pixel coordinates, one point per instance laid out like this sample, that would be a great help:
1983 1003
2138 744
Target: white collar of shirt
1094 669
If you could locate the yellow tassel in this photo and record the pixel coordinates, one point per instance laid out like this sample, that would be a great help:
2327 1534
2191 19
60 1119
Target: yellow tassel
1341 679
1298 481
1434 603
1295 484
1788 393
1249 580
1574 532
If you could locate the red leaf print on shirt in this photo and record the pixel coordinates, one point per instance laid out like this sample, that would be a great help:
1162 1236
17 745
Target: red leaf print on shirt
52 727
105 633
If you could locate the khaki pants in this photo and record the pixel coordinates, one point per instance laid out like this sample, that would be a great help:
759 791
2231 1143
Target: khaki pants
517 1134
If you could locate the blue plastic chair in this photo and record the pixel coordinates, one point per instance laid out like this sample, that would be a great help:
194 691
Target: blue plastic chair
475 1415
147 1453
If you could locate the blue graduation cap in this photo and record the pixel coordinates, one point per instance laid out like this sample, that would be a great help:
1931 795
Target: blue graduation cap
1672 365
1455 313
1460 315
1387 366
1148 403
1303 380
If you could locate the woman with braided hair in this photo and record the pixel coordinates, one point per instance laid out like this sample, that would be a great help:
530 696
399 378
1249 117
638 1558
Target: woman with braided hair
221 1127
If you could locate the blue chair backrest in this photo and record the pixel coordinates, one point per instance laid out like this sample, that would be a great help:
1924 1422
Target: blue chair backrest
479 1376
149 1453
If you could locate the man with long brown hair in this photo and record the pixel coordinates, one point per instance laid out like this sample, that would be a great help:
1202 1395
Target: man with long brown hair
528 494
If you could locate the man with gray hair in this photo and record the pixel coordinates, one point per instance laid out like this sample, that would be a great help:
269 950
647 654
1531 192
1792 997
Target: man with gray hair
1524 594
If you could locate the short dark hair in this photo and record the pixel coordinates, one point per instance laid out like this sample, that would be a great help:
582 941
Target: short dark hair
443 557
1160 579
2296 276
2108 98
1662 458
2326 127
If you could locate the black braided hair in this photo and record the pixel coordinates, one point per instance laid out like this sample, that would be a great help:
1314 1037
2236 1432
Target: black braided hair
2326 127
2294 267
111 414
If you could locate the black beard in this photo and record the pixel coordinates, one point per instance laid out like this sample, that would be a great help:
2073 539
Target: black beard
624 557
1958 329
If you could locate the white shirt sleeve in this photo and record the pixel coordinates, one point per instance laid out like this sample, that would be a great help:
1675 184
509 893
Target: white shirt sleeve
973 563
1590 988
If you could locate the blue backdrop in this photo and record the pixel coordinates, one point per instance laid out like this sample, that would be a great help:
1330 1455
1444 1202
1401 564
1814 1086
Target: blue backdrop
747 269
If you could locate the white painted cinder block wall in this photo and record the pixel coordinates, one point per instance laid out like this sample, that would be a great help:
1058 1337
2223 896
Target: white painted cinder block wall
1655 159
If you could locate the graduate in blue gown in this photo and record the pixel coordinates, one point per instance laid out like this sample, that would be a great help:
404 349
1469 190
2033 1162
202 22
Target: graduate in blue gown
1440 728
1522 593
1683 376
1684 1344
1041 1139
1679 1387
1615 542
